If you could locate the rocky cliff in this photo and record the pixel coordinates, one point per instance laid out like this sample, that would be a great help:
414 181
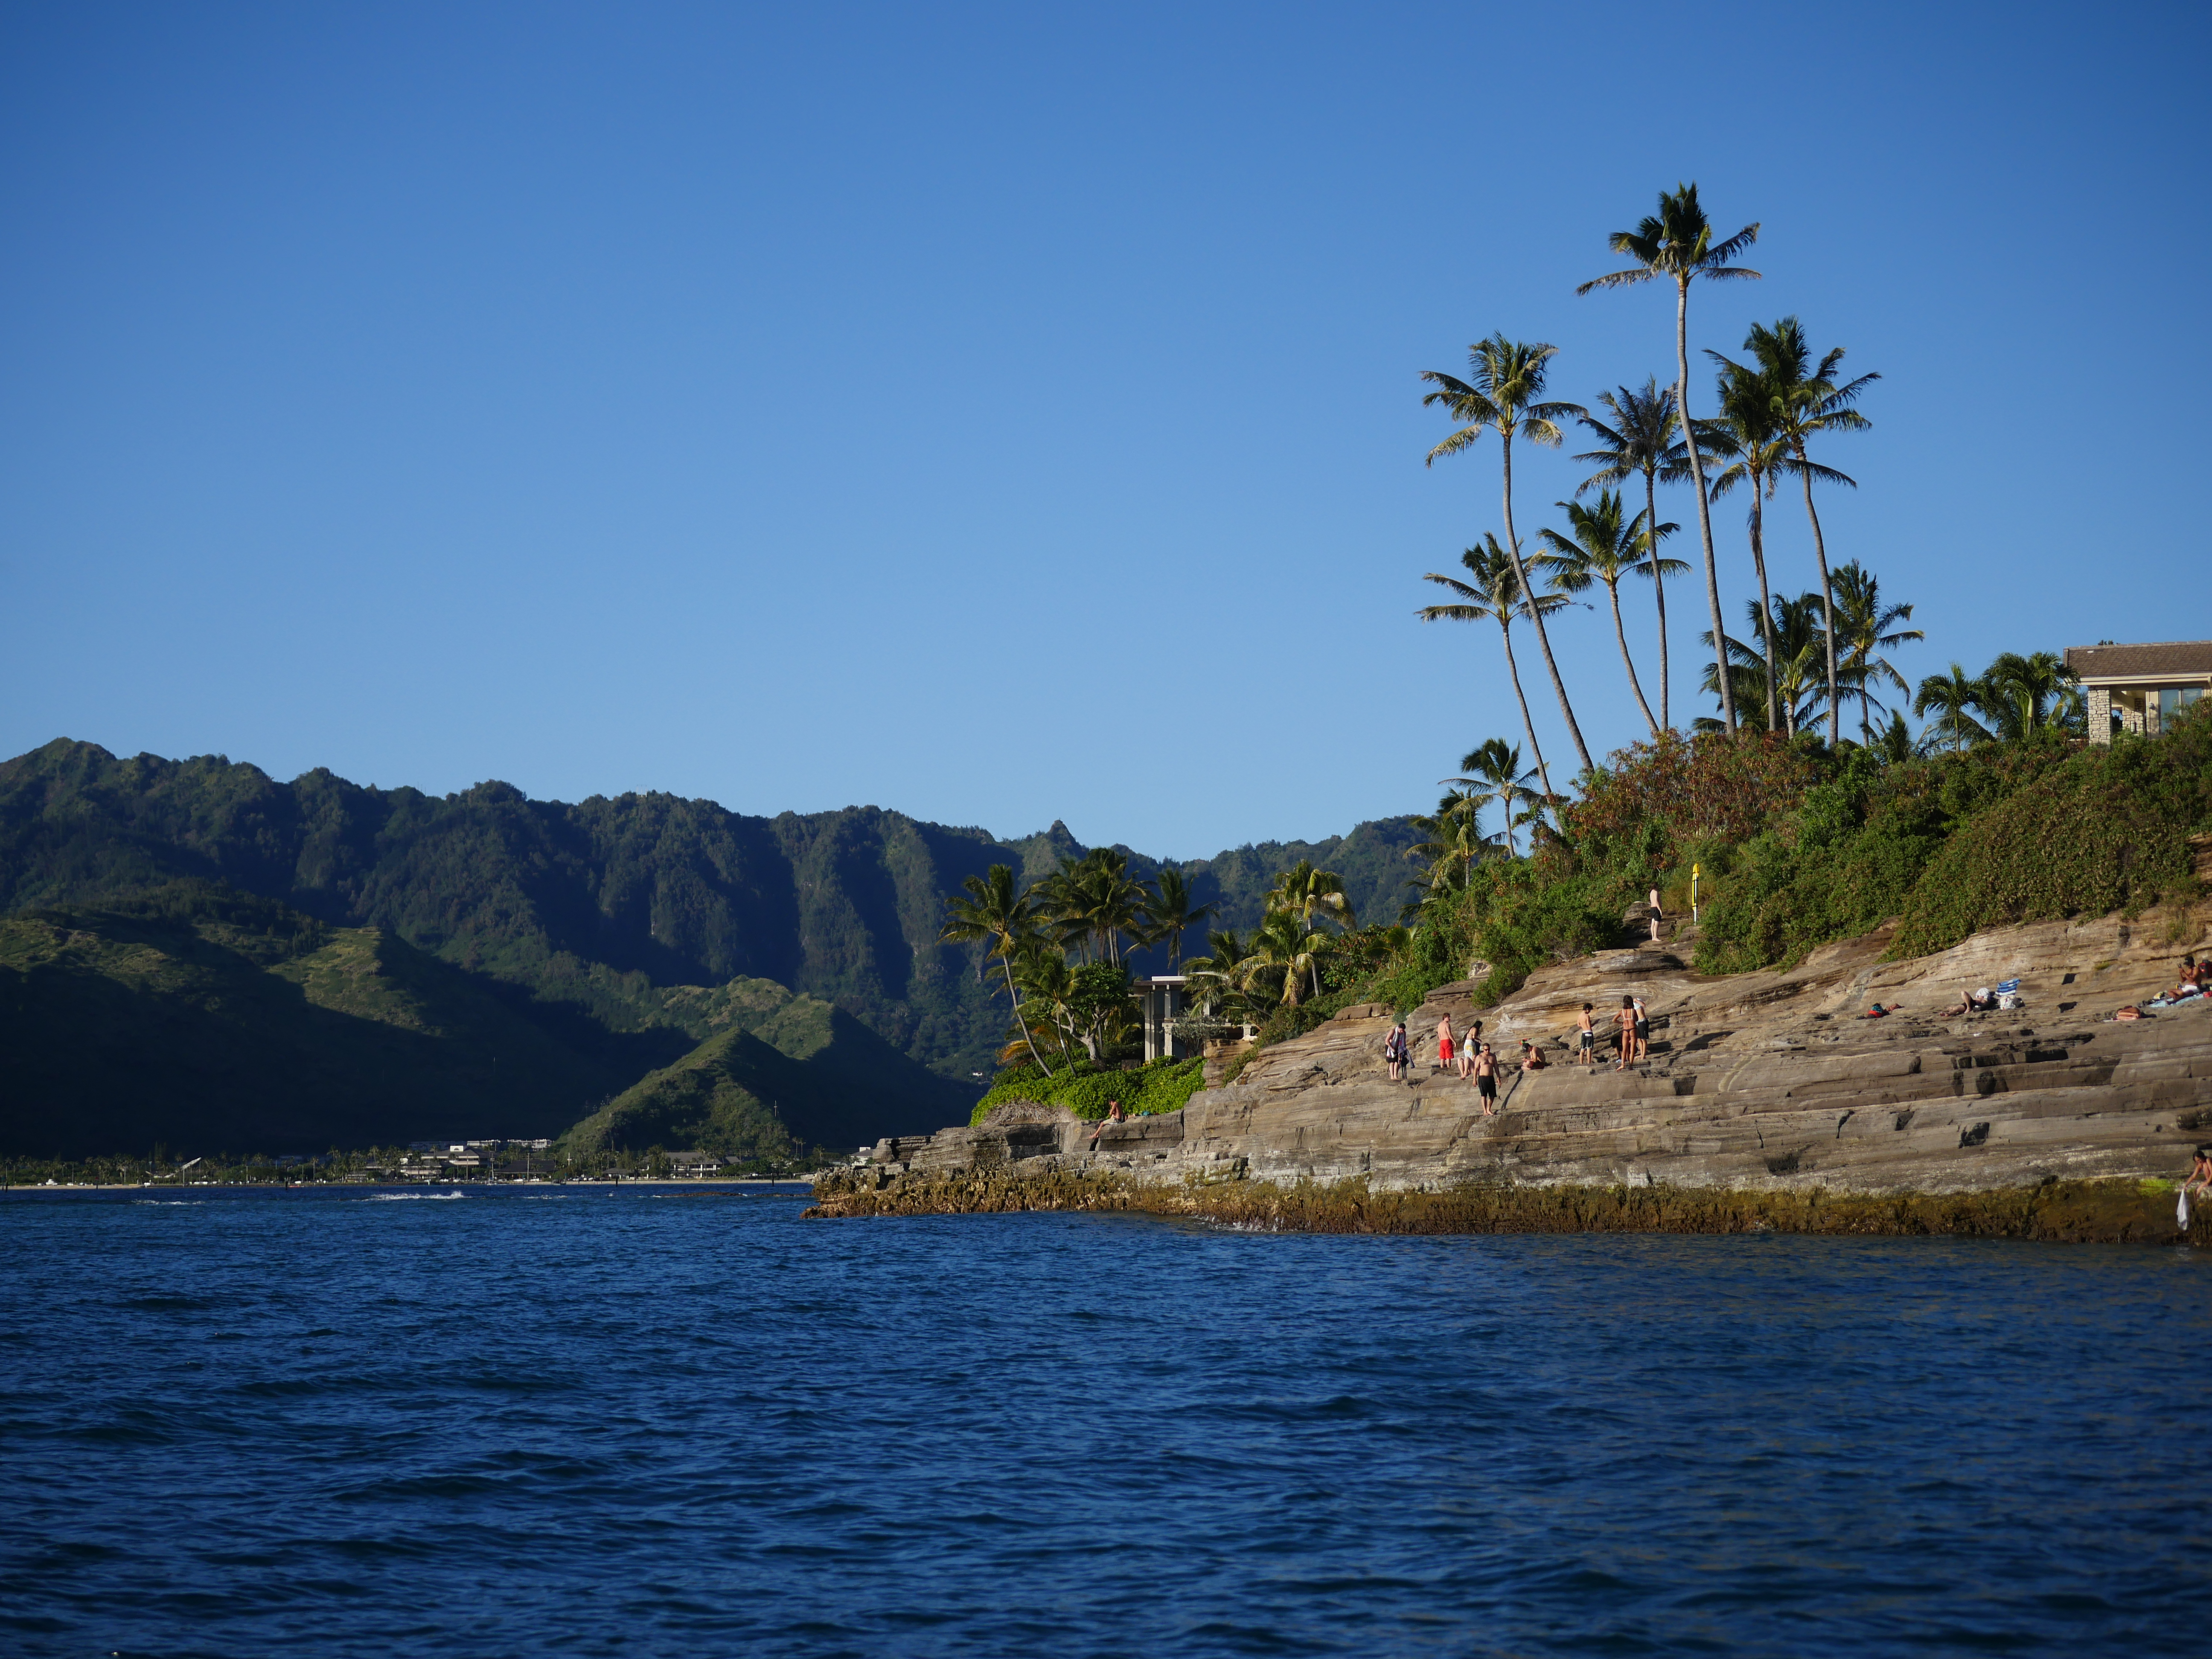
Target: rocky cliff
1767 1086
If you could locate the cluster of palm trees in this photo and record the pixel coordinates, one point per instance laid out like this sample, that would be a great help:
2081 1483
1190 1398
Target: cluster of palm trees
1307 918
1062 945
1770 409
2016 699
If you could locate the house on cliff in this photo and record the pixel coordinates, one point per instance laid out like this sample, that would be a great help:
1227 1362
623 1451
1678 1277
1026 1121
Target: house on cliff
2139 688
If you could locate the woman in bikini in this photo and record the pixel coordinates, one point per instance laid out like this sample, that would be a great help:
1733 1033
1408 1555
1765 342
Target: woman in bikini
1624 1033
1467 1049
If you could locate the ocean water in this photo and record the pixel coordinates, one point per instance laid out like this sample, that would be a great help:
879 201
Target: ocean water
673 1422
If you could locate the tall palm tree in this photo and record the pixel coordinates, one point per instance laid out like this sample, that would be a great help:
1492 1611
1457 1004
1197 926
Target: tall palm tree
1495 768
1642 438
1808 402
1505 392
1168 909
1309 895
1677 243
1214 977
1095 903
1496 594
995 912
1746 433
1605 550
1864 627
1953 698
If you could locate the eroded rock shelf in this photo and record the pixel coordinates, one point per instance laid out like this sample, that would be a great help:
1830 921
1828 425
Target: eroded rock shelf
1765 1101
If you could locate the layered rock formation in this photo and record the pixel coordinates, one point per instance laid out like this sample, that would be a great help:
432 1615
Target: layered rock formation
1755 1083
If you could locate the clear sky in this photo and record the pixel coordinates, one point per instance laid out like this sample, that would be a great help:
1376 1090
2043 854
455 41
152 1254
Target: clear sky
1012 413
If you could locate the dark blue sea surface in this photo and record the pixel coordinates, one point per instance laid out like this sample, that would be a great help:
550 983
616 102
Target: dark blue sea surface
658 1421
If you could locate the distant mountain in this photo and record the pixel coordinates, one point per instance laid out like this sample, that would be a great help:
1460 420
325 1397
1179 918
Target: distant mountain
595 909
215 1020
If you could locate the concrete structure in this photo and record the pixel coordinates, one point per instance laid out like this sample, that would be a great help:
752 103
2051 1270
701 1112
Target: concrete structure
1160 1000
2139 688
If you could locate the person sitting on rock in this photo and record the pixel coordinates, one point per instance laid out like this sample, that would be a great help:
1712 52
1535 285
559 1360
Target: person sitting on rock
1532 1057
1113 1115
1978 1001
2200 1172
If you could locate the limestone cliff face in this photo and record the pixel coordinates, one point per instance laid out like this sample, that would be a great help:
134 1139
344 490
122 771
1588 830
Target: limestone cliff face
1755 1082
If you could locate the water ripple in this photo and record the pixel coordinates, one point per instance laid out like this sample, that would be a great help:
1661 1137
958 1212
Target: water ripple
293 1421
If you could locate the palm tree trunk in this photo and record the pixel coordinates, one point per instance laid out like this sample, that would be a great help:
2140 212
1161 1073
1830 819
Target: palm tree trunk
1526 725
1705 510
1766 605
1015 997
1536 613
1613 589
1827 590
1658 585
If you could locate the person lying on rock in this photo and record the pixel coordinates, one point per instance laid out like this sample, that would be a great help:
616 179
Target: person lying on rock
1978 1001
1877 1013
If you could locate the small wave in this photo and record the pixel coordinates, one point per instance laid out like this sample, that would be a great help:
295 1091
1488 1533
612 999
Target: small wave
171 1203
405 1198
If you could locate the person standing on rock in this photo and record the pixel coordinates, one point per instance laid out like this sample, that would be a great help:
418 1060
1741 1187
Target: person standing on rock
1624 1034
1393 1051
1586 1036
1467 1049
1444 1043
1655 915
1486 1080
1643 1030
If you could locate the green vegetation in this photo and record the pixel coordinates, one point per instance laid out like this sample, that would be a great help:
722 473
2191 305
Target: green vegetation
1165 1085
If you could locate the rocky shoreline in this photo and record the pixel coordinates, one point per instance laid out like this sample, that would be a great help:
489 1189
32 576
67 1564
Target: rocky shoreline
1765 1104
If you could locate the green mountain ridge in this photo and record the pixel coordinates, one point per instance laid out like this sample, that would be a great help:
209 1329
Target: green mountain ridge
596 908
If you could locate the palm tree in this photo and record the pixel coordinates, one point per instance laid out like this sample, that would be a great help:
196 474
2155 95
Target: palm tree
1283 953
1642 439
1170 911
1677 243
1953 698
2025 698
1453 840
1497 764
1794 627
993 911
1605 550
1094 901
1505 391
1495 594
1307 894
1864 626
1746 431
1806 405
1214 977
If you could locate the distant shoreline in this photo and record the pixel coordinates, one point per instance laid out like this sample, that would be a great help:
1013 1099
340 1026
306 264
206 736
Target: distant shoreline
394 1186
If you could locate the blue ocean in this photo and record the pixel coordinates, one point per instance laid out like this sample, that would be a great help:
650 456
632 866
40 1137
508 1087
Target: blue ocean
649 1421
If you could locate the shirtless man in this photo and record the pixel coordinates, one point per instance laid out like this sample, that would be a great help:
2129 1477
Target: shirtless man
1486 1080
1585 1036
1444 1042
1532 1057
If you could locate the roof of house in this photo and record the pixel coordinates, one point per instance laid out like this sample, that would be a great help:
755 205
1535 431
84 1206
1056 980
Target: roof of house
2184 658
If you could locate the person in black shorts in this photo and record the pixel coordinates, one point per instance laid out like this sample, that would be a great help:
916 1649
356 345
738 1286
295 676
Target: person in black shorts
1486 1079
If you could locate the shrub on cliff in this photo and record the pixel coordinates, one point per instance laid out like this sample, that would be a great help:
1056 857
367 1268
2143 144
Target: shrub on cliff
1165 1085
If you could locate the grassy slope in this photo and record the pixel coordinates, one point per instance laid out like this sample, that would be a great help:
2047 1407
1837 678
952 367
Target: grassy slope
210 1027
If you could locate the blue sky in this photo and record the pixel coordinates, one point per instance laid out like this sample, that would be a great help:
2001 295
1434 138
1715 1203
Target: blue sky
1005 413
